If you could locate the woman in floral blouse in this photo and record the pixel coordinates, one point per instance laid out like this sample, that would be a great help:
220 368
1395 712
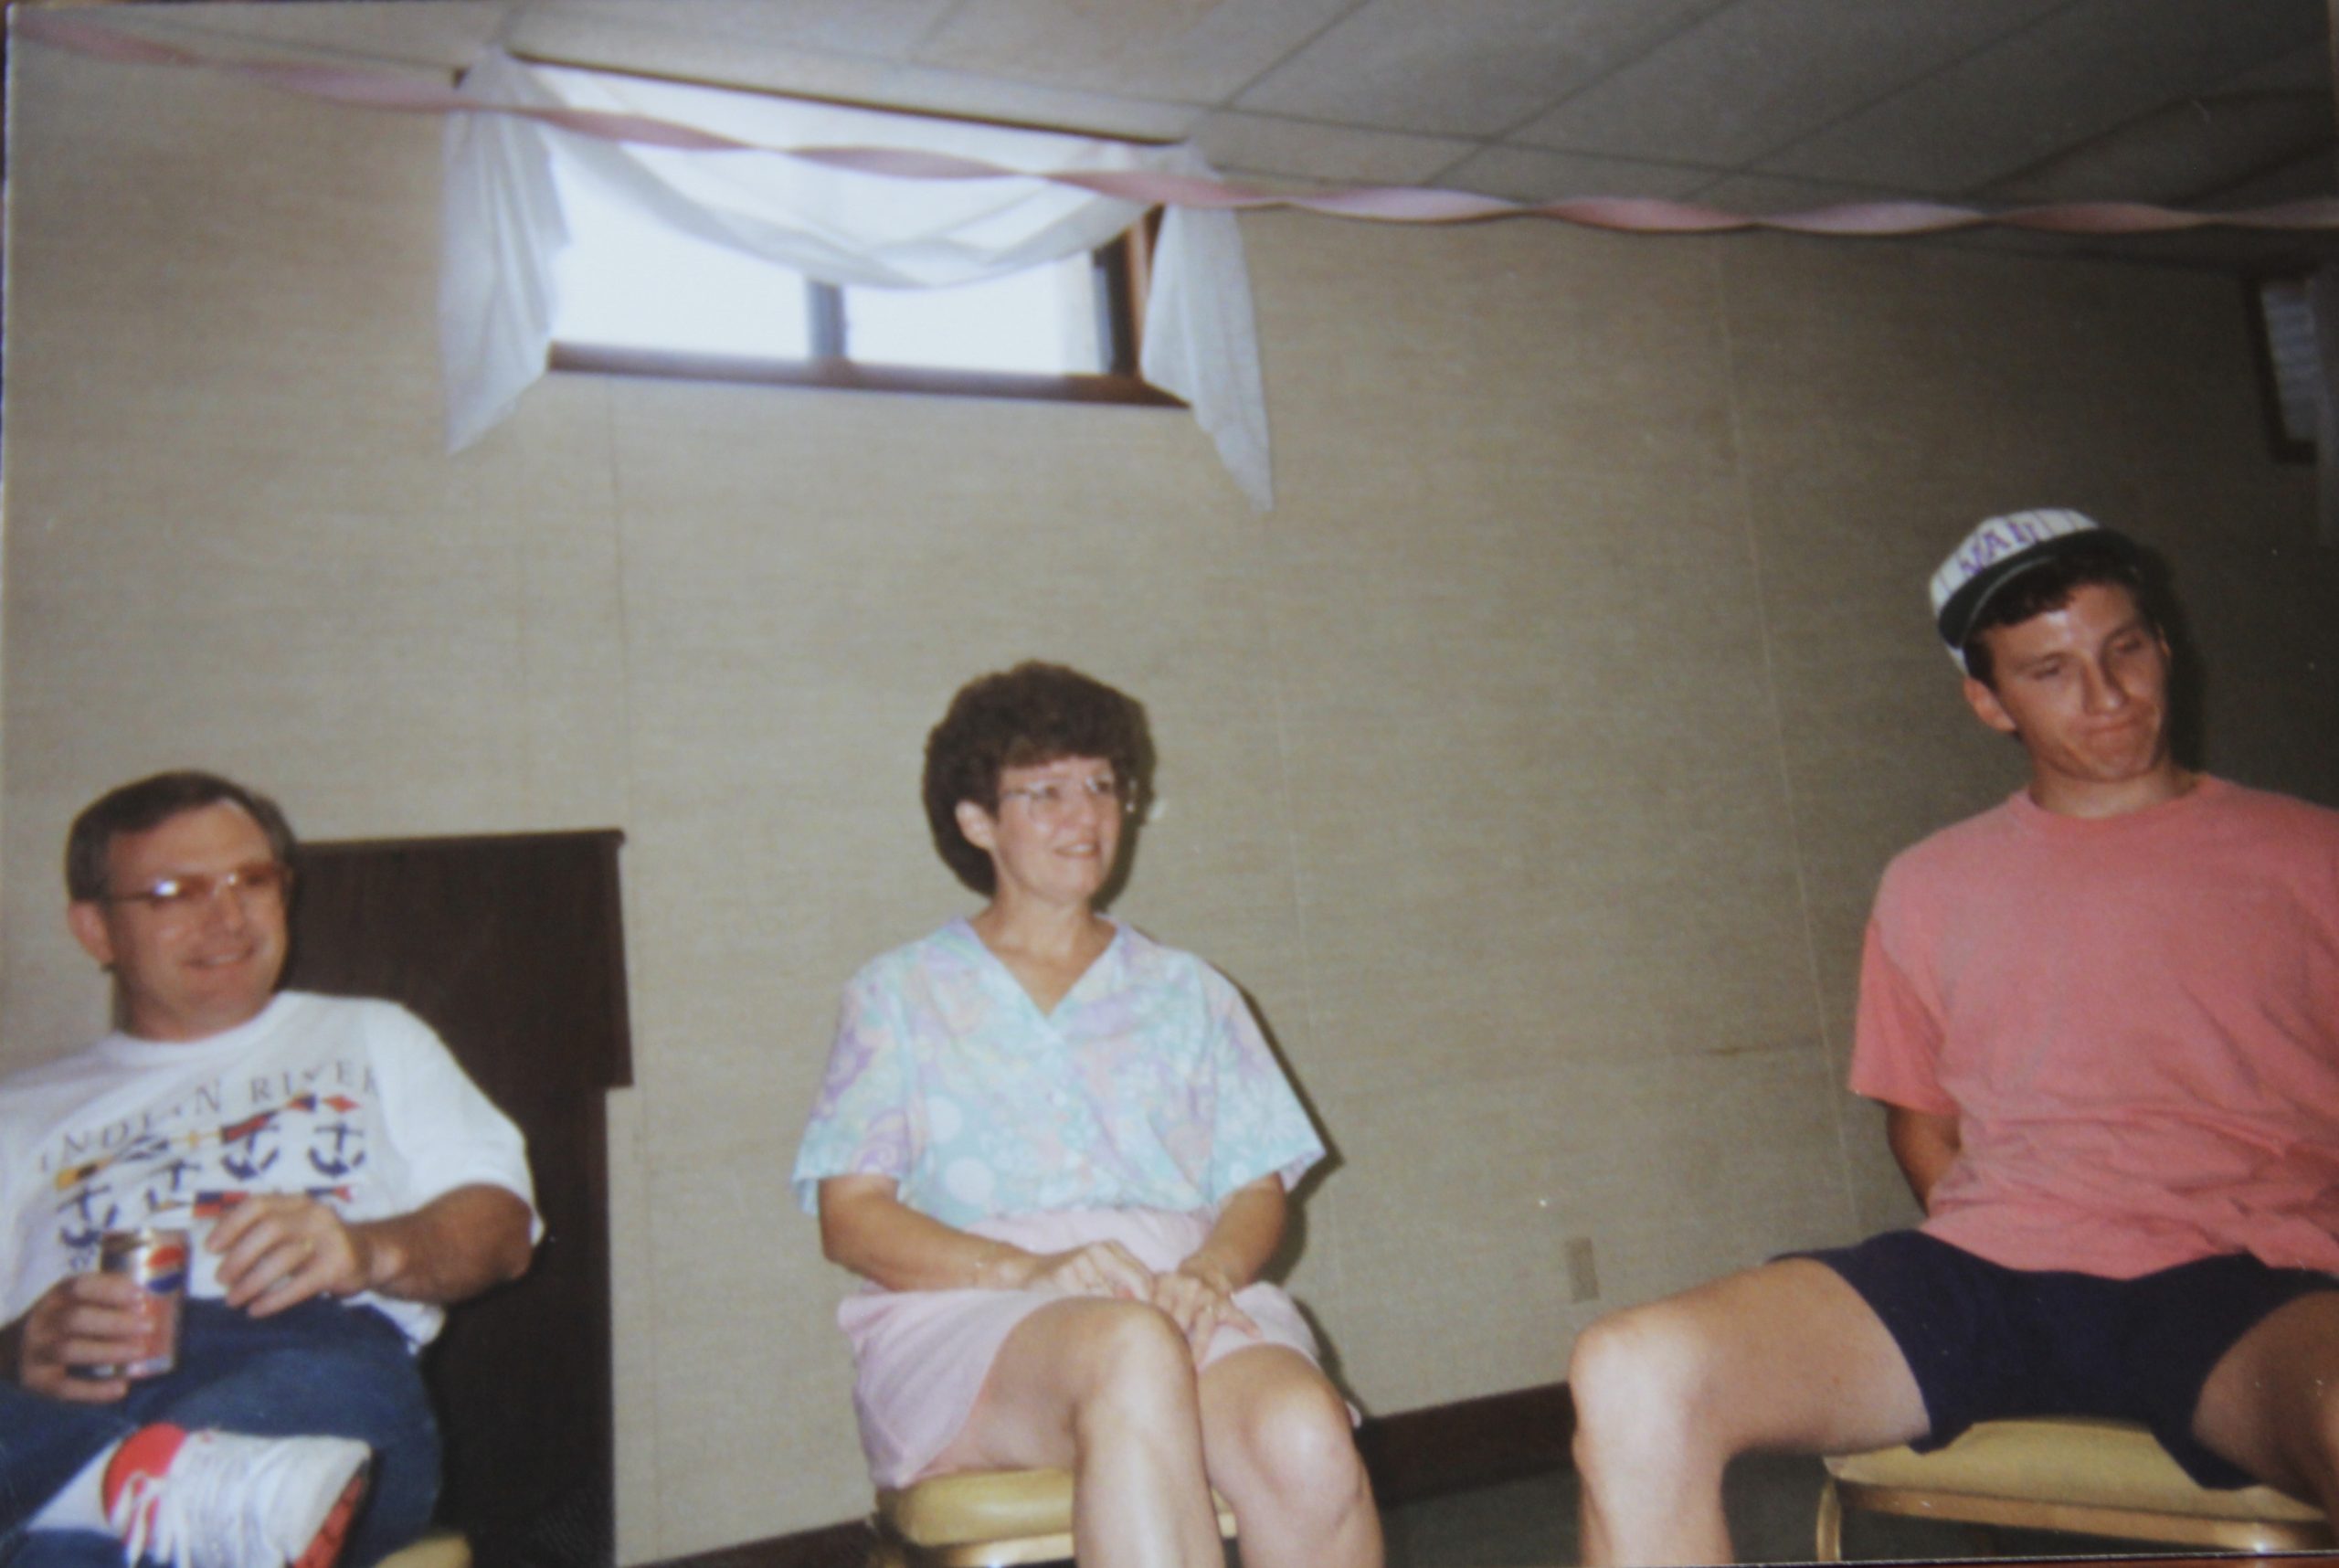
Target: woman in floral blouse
1058 1152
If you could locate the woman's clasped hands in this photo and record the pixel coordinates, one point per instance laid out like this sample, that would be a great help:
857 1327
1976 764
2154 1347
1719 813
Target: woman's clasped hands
1198 1295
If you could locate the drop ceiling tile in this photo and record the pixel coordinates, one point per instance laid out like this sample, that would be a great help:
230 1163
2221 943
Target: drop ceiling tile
2077 73
1029 103
1192 50
878 28
1534 174
434 37
1268 144
1462 66
2306 68
2175 153
641 39
1761 73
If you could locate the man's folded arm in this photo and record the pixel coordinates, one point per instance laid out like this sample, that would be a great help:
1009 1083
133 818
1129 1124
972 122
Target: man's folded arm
452 1247
277 1250
1926 1146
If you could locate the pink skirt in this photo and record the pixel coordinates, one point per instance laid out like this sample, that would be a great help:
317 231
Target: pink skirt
920 1356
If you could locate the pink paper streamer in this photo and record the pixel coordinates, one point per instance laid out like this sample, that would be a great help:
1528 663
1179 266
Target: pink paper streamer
1379 204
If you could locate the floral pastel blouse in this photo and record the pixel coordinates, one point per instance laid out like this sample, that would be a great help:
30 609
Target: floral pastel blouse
1148 1087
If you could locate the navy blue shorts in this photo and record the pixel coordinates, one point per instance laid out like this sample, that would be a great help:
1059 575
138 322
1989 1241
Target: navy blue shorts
1987 1342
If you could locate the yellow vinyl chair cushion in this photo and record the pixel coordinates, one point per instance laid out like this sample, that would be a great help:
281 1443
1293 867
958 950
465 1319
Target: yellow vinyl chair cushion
2085 1463
2068 1474
439 1549
1028 1512
979 1505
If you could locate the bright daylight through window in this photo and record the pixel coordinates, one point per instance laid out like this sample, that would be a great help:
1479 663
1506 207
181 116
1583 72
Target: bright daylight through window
644 297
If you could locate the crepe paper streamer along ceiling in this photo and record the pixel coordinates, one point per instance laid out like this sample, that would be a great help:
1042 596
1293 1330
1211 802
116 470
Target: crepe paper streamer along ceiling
1380 204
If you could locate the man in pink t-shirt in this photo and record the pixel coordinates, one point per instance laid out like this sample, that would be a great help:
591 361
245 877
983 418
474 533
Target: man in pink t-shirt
2103 1019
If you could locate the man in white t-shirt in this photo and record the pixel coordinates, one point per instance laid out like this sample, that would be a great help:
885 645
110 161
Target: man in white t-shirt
341 1180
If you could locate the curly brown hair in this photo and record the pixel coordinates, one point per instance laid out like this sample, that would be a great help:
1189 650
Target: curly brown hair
1032 714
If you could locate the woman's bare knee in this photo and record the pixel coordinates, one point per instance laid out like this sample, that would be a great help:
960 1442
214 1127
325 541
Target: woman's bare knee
1287 1435
1124 1355
1065 1366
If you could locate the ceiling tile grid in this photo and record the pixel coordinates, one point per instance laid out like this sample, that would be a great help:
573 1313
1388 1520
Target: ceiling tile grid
1760 75
1755 105
1465 67
2078 73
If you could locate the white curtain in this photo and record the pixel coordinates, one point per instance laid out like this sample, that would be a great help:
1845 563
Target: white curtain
503 226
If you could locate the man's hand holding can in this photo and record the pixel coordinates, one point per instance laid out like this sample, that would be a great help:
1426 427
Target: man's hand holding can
84 1327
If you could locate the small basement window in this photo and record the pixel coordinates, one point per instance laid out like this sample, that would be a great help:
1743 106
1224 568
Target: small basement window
644 298
2290 360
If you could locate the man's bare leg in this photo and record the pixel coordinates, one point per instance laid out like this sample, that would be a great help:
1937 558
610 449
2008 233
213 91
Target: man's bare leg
1786 1356
1106 1389
2271 1404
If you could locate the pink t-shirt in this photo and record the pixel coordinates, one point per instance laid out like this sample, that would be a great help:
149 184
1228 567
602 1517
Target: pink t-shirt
2135 1021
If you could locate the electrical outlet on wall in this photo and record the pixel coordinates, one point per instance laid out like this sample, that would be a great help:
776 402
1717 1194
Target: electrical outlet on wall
1583 1272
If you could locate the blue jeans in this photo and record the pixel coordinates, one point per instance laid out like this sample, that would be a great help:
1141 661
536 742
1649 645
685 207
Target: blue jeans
321 1369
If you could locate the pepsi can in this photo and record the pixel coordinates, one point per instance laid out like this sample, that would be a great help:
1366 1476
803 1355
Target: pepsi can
157 1259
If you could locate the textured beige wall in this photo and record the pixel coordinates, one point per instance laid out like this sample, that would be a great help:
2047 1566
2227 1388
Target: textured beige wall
1531 766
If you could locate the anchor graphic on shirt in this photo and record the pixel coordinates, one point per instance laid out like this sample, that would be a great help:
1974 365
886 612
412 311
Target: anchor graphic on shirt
333 1165
251 1163
89 1207
95 1224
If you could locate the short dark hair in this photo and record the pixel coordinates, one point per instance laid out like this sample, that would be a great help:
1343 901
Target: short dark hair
2085 562
149 803
1032 714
